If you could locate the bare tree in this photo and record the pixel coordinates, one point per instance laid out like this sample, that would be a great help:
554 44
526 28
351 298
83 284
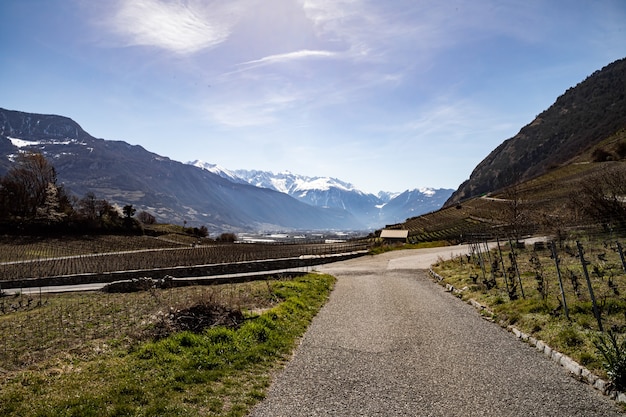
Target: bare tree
28 185
602 197
515 213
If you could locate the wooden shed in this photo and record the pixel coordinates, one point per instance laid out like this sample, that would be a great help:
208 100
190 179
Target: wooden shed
393 235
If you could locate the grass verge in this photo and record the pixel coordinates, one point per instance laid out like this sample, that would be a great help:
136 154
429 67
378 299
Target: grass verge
221 371
538 310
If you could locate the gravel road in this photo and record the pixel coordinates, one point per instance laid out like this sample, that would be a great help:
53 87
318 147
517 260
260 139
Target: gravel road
390 342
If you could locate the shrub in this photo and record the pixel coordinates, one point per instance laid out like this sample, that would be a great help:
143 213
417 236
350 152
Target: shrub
613 351
227 237
600 155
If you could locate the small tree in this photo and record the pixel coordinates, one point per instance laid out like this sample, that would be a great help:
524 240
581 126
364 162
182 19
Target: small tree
87 212
50 211
515 213
202 231
129 211
97 213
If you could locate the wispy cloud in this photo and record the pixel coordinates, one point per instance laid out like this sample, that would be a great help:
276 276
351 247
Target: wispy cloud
451 120
244 112
305 53
180 27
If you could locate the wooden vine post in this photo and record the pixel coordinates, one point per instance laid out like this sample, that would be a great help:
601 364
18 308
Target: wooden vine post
621 255
514 263
596 312
555 255
506 280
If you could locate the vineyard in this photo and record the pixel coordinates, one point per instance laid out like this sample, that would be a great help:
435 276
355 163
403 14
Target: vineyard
37 326
30 258
565 292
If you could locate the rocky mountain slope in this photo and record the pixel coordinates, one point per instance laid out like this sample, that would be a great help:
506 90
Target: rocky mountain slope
579 119
374 211
172 191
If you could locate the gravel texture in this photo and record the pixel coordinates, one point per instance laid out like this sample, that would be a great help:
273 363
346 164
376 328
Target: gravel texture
390 342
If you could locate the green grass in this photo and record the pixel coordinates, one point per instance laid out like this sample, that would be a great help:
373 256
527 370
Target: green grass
219 372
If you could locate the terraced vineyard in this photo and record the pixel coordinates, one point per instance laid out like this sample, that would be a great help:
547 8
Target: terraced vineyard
453 223
548 204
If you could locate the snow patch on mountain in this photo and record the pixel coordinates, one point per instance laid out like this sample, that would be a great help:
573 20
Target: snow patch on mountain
21 143
218 170
428 192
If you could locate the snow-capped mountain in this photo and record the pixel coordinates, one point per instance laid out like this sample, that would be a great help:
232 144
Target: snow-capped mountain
172 191
374 211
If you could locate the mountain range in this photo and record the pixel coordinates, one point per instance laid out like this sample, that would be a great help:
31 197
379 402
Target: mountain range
372 210
589 117
186 194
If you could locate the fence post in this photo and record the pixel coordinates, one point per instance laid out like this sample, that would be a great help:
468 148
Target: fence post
481 262
621 255
514 262
506 280
596 312
487 248
473 252
555 255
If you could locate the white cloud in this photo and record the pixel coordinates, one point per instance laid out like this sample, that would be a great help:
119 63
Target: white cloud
183 27
305 53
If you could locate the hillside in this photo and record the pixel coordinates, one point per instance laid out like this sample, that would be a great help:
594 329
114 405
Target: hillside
564 171
581 118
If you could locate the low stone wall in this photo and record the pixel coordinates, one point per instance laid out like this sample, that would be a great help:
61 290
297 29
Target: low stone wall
182 271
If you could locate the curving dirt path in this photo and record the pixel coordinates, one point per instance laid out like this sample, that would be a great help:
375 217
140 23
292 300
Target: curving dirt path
390 342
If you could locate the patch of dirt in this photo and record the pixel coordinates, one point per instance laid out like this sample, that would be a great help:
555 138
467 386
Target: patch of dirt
199 317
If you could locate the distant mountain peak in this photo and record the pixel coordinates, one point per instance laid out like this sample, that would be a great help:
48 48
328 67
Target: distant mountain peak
372 210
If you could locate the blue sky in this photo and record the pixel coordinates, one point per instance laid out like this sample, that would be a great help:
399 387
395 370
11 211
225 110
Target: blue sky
387 95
